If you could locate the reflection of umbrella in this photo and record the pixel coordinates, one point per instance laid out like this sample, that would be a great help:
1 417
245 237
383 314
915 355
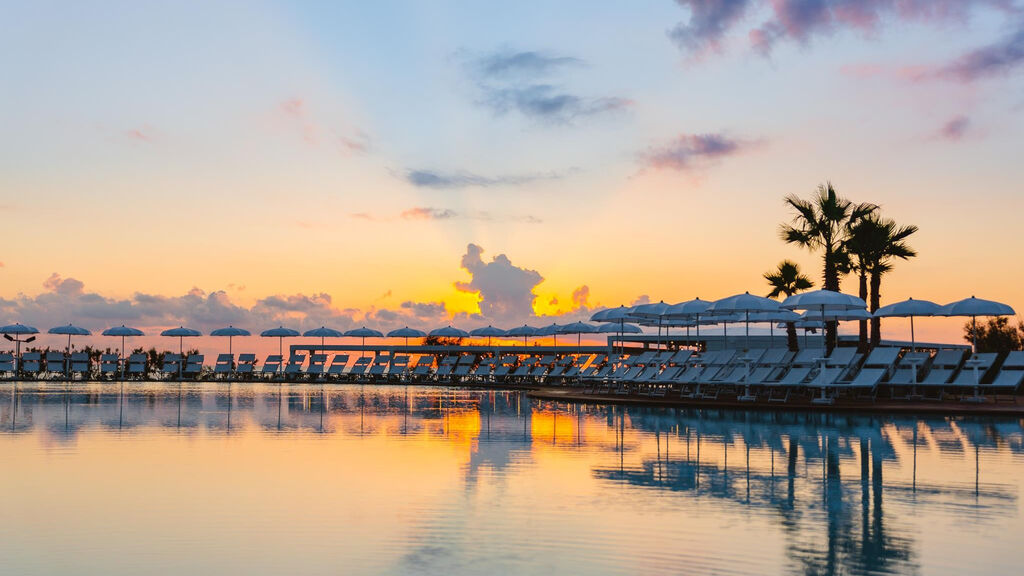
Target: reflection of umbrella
407 333
280 333
363 333
18 330
975 307
908 309
181 333
123 331
322 333
525 331
744 303
230 332
69 330
489 331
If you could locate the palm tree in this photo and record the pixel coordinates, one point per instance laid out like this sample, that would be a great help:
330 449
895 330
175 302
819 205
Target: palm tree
787 280
892 245
823 223
862 247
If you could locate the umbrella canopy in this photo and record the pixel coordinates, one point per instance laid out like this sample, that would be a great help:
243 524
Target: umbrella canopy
230 332
836 315
323 332
69 330
363 332
822 301
652 310
280 333
688 309
488 331
524 330
123 331
743 304
975 307
612 314
407 333
181 332
909 308
549 330
616 328
577 328
773 316
449 332
18 328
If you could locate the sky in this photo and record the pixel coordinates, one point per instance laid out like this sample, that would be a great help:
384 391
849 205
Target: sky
393 163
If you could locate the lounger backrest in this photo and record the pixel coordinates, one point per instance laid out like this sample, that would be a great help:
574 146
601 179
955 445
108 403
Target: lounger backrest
247 358
772 356
1014 360
840 357
950 358
807 356
882 356
986 359
910 358
225 358
318 358
54 357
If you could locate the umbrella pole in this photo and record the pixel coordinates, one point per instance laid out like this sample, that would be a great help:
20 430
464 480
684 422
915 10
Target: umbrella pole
181 359
913 342
748 330
124 359
67 359
974 334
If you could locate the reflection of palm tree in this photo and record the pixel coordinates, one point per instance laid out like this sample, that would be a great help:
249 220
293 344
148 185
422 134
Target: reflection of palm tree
821 223
788 280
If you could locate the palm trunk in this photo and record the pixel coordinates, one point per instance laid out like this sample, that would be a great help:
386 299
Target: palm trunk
831 282
876 297
791 340
862 343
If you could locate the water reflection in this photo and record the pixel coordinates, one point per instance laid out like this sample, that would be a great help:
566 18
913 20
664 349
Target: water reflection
828 493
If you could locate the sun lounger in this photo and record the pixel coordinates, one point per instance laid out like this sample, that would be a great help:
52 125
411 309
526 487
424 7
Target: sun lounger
1009 378
399 368
338 364
55 363
424 368
31 364
272 365
6 363
109 364
137 364
974 372
944 367
909 369
879 364
359 367
316 366
172 365
194 365
379 367
80 364
246 365
225 365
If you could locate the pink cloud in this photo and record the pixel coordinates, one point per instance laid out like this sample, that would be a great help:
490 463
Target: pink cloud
955 128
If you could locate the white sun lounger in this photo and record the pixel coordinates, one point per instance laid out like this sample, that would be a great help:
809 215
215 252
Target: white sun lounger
137 364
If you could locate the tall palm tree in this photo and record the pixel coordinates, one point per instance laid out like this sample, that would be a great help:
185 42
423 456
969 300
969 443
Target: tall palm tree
862 246
822 223
788 280
893 244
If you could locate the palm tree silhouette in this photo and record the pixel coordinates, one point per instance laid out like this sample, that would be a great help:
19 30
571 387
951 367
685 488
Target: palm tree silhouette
788 280
823 223
875 241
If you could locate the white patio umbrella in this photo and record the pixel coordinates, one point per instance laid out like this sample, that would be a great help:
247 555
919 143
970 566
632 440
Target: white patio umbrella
68 330
407 333
974 307
280 333
652 311
772 317
364 333
488 331
620 315
549 330
689 310
449 331
525 331
822 301
323 333
909 308
181 333
579 329
230 332
743 304
18 330
124 332
616 328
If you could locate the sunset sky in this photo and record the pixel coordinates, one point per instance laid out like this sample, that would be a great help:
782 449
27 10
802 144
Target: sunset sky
389 163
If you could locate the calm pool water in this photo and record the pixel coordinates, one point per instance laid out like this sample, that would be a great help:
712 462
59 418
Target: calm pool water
382 480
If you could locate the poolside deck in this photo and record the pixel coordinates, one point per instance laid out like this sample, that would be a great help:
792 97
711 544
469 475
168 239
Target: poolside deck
950 407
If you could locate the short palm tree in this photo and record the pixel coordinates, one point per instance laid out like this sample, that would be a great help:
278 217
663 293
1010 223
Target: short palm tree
822 223
787 280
